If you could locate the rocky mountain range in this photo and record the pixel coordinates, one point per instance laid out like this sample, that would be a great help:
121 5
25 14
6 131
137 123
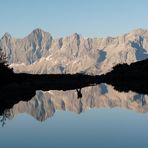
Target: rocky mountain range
45 104
40 53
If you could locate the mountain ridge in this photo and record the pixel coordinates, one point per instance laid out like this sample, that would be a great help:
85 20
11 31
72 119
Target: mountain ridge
134 31
40 53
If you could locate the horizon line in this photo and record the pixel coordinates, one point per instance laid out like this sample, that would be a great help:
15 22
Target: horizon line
43 30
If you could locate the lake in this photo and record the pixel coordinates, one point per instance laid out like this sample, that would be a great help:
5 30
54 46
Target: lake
103 117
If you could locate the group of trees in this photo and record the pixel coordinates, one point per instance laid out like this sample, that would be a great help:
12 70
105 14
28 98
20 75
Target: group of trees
5 71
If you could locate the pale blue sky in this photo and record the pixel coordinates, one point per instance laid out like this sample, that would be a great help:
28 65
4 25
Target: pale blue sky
64 17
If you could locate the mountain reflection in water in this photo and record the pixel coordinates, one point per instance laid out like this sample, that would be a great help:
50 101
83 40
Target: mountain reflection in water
44 104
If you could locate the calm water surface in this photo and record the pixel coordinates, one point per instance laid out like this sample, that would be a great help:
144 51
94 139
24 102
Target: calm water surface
103 118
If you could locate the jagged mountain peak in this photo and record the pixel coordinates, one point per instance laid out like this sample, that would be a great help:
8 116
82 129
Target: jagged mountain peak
7 35
139 32
38 32
76 34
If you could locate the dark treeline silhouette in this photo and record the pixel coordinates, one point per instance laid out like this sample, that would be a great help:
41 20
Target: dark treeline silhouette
126 77
16 87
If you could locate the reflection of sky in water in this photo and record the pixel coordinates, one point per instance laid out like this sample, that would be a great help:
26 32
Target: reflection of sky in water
97 127
94 128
